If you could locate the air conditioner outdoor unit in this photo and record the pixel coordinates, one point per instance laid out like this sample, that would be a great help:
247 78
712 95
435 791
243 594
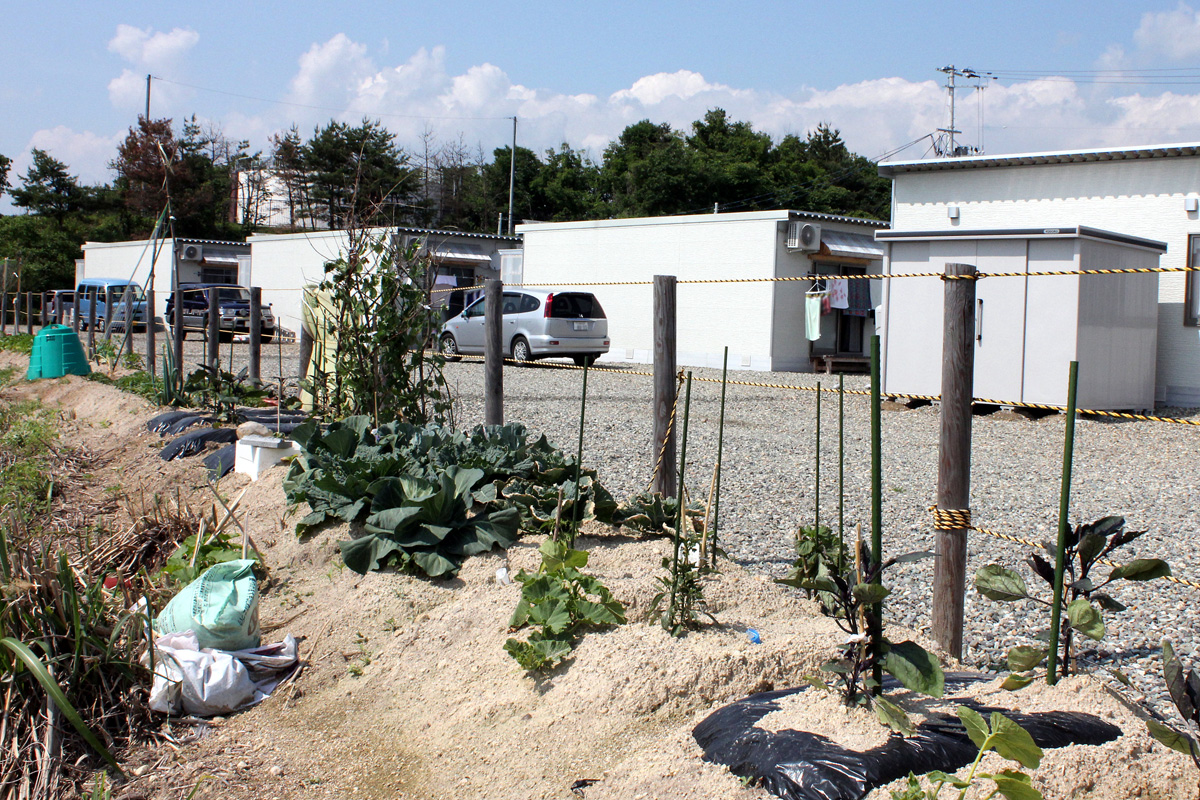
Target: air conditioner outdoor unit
192 252
804 236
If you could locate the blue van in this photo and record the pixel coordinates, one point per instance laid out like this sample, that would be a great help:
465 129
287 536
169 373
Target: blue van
104 289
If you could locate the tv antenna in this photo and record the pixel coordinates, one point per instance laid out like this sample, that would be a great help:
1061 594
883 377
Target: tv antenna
946 146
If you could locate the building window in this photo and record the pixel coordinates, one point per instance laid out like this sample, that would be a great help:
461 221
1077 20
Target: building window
1191 298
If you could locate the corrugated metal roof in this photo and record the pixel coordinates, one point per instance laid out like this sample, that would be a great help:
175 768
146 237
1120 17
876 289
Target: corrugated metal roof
851 245
428 231
461 251
212 241
891 169
838 218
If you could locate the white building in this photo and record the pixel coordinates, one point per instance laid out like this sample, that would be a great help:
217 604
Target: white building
1146 192
762 323
285 263
199 261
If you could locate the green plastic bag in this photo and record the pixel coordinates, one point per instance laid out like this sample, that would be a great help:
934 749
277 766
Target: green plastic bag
221 606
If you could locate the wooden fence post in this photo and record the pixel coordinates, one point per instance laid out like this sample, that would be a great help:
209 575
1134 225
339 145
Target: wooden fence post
255 370
108 313
4 301
29 313
493 354
128 348
75 312
663 456
177 333
42 308
151 321
91 343
954 456
213 356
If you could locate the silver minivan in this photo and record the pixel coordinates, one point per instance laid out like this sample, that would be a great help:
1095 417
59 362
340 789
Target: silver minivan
535 325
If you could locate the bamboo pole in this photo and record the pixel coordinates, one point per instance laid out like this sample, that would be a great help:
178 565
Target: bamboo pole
1064 504
681 513
817 458
875 630
579 457
720 455
841 472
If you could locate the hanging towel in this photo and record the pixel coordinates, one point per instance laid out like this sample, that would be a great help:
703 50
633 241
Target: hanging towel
859 297
813 301
838 293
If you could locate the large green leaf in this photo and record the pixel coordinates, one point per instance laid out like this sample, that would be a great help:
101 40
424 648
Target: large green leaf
1172 738
552 615
367 553
997 583
1014 785
1014 742
1014 682
43 676
1085 618
1176 680
434 564
1141 569
1024 657
870 593
915 668
976 725
893 716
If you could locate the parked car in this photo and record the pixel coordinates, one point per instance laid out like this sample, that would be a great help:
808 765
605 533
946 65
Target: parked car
59 302
233 303
535 325
104 290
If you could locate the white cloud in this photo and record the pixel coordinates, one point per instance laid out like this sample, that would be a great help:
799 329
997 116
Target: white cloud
151 49
150 52
1175 34
85 153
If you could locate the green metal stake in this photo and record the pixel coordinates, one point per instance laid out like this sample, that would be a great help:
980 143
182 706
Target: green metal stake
720 454
875 621
680 515
1064 502
579 458
841 473
817 490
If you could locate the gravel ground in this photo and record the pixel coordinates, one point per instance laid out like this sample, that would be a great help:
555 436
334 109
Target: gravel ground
1138 470
193 354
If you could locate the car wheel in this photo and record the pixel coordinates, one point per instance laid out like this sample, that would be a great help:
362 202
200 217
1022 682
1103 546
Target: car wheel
449 347
520 350
581 361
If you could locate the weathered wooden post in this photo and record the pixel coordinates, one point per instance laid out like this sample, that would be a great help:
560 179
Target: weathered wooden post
108 313
75 312
42 309
213 336
128 348
151 321
255 371
493 354
663 454
954 457
177 333
4 301
95 297
29 313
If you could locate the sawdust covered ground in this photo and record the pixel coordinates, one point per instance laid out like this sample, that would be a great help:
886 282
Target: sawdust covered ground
408 693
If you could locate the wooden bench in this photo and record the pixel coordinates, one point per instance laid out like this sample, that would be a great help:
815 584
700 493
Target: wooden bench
831 363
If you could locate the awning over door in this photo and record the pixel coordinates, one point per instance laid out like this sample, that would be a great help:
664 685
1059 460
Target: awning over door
850 245
462 253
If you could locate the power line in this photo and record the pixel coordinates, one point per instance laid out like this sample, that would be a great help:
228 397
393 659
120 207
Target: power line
320 108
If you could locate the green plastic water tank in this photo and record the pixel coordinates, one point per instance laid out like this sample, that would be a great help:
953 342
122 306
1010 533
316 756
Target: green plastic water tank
57 351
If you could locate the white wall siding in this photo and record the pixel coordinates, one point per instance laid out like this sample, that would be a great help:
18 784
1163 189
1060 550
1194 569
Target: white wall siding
125 259
284 264
1140 197
710 316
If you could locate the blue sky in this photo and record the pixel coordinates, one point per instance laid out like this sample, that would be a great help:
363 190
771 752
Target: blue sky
75 72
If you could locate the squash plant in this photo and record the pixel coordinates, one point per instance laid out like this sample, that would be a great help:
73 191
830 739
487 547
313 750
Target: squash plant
563 602
1083 596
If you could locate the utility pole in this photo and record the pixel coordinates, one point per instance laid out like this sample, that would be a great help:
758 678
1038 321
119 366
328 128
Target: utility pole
147 97
952 72
512 173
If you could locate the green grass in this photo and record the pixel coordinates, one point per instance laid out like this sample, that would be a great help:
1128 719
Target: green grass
17 343
140 383
25 435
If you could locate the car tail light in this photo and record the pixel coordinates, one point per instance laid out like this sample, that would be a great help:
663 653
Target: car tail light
549 303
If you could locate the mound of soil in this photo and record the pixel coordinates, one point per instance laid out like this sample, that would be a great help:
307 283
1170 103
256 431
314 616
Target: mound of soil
408 693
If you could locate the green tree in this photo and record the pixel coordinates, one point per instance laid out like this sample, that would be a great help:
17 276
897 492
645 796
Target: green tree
495 186
48 189
357 175
565 186
649 171
5 164
732 160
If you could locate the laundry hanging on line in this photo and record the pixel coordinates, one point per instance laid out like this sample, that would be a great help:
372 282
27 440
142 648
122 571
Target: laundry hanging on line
816 303
838 293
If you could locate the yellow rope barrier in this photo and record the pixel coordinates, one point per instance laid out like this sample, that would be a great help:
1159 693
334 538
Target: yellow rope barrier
960 519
